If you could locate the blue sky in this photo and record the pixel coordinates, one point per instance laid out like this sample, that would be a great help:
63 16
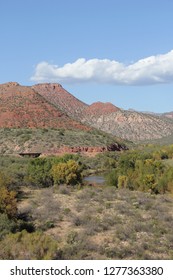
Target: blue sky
117 51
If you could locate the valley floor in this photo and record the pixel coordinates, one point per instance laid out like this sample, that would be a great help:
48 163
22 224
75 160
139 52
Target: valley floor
102 222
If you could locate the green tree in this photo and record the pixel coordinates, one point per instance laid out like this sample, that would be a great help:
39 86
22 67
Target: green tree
137 172
38 172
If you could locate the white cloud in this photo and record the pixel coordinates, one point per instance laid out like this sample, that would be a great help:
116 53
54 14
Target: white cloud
151 70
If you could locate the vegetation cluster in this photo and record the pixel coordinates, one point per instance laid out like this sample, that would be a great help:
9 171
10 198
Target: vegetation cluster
15 139
144 170
47 212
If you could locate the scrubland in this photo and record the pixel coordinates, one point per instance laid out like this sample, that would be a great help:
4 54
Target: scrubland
48 212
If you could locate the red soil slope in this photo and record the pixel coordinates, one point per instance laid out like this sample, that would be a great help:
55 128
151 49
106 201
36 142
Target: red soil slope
100 108
61 98
22 106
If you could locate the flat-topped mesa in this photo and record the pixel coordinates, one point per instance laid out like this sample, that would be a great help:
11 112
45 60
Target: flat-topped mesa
12 84
8 86
51 86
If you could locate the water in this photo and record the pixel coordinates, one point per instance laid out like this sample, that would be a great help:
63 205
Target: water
95 179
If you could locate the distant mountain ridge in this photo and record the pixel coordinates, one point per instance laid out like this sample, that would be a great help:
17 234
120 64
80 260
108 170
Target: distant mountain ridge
132 126
50 105
168 115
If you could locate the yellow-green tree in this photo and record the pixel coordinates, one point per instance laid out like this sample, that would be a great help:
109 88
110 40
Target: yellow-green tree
122 181
149 183
8 202
66 173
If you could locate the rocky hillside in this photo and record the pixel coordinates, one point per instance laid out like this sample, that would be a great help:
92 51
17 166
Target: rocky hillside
57 141
62 99
98 109
22 106
30 122
51 106
130 125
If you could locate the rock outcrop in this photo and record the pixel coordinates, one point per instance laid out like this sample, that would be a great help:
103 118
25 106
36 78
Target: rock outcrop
86 149
91 149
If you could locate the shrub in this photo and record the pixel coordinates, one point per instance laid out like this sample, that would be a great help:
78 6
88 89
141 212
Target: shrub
112 178
6 225
39 172
4 180
8 203
27 246
14 170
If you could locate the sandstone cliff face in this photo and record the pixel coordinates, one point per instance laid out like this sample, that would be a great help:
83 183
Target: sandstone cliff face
90 149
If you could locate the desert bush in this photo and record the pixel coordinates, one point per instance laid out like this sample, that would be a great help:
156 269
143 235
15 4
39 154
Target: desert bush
15 169
28 246
72 237
46 209
8 202
62 189
6 225
117 252
5 180
112 178
77 246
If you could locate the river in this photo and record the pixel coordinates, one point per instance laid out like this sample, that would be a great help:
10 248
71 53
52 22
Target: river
95 179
